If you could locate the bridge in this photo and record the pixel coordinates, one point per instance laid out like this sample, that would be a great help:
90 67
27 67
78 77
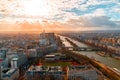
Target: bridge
81 48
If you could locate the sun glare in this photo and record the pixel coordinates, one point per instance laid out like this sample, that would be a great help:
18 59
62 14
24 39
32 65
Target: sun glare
36 8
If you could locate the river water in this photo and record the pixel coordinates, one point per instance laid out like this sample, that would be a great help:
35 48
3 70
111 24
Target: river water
65 42
108 61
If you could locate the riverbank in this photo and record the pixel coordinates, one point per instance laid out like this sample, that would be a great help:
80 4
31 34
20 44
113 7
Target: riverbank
101 53
109 61
104 54
107 52
104 69
116 57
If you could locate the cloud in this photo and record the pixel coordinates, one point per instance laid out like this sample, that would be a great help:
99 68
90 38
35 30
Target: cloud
103 21
26 26
76 24
93 22
63 14
97 12
16 8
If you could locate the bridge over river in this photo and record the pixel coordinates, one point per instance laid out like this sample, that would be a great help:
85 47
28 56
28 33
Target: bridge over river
108 61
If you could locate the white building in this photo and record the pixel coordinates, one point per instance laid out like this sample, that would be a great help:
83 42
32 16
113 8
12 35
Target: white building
50 57
14 63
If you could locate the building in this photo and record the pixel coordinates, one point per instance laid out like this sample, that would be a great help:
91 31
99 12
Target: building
2 56
3 52
51 38
11 55
18 60
47 44
50 57
84 72
14 63
32 53
4 63
10 74
43 39
3 59
53 57
44 73
47 39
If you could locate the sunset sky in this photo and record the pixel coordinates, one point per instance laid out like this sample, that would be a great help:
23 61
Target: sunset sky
77 15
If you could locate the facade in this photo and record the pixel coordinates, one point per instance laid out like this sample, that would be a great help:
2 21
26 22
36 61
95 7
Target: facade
2 56
82 73
3 59
77 72
44 73
3 52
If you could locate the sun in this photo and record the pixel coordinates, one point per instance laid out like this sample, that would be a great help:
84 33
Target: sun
36 8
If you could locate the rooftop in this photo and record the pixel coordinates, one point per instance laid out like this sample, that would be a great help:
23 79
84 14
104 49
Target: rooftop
8 72
15 59
51 55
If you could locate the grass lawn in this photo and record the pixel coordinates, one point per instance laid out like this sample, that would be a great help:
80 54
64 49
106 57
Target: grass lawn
62 64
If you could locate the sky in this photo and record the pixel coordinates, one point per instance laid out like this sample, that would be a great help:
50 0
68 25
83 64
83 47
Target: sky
59 15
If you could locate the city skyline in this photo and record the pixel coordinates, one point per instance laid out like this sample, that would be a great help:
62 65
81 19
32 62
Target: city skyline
59 15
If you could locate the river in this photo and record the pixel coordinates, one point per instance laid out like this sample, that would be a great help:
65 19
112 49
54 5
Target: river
108 61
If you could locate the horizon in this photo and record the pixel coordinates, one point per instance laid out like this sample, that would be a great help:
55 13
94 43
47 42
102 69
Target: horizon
38 32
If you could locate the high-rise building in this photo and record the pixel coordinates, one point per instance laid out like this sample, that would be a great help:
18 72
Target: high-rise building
3 52
43 39
47 38
47 44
